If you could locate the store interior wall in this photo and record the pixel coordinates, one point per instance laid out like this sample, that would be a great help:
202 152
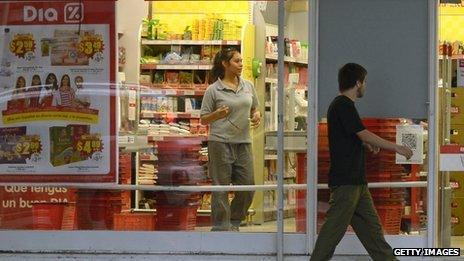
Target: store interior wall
451 23
129 18
390 39
296 18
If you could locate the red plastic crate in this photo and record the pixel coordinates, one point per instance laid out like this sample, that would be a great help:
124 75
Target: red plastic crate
96 208
134 221
176 198
390 217
69 221
174 218
47 216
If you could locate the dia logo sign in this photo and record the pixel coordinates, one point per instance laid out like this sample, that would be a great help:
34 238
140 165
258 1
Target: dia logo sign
73 13
31 14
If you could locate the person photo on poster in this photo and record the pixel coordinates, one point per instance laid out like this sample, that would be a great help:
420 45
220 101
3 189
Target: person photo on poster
48 96
81 99
33 92
66 93
18 100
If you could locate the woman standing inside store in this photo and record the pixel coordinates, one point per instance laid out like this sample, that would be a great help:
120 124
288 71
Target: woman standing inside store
229 106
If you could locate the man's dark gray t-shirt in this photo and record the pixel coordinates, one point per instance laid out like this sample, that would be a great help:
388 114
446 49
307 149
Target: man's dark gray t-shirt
347 166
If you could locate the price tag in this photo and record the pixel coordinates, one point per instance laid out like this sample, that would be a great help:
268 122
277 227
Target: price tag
189 92
157 138
89 144
195 114
28 145
89 45
171 92
148 115
22 44
204 67
123 139
156 92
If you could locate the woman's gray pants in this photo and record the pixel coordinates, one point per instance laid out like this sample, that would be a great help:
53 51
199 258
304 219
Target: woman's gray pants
230 163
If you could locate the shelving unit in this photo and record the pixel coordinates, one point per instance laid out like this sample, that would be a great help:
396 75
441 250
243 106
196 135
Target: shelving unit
298 64
190 42
162 115
155 66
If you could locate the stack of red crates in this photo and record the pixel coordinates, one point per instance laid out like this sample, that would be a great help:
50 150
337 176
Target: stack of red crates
134 221
381 167
178 164
322 176
96 208
54 216
125 176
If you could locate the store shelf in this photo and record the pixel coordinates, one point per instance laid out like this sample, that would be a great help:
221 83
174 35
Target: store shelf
155 66
270 157
170 137
453 57
190 42
170 92
178 115
286 59
148 157
271 80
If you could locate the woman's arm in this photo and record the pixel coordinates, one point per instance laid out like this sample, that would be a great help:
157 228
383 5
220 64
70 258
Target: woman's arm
255 117
219 113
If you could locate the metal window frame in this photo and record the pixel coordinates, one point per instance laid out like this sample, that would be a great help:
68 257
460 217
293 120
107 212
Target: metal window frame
250 243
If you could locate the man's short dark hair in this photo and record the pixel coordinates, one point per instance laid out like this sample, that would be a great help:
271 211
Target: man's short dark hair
349 74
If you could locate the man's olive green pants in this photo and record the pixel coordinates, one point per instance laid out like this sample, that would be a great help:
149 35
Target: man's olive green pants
352 205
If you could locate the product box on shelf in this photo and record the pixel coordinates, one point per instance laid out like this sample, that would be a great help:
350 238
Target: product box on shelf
457 96
457 133
457 105
457 216
457 184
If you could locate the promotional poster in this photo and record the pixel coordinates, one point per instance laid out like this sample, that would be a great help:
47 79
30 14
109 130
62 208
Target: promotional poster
57 103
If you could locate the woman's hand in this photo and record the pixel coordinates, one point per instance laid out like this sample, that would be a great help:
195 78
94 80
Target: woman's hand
255 119
221 112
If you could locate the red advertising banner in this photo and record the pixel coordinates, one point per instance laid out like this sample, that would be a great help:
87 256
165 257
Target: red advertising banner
16 209
57 97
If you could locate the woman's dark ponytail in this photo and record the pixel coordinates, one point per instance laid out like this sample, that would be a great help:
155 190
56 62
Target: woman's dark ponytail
224 55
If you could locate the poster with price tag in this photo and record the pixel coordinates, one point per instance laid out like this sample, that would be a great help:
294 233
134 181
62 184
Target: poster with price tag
411 136
57 103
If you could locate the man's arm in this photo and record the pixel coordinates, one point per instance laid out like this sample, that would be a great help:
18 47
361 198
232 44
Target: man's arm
374 140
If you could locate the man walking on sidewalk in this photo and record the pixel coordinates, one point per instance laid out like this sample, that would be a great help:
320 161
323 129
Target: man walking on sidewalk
350 200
